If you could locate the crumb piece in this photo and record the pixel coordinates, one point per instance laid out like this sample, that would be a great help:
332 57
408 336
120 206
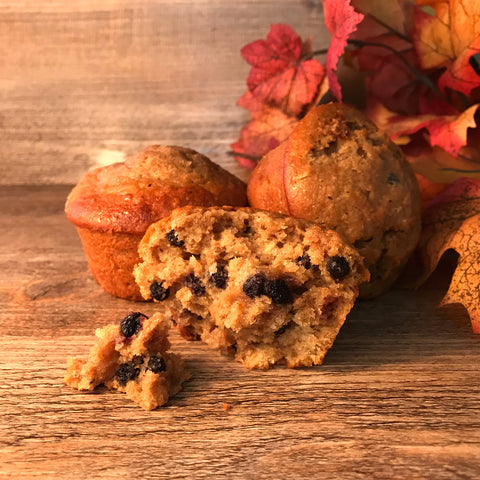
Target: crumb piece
133 358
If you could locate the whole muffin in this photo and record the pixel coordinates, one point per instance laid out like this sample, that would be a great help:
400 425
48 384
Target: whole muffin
339 170
112 206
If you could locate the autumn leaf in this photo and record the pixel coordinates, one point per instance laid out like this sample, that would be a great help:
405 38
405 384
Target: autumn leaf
448 40
383 17
385 52
282 74
453 222
388 78
429 189
439 166
446 131
425 140
267 129
283 84
341 20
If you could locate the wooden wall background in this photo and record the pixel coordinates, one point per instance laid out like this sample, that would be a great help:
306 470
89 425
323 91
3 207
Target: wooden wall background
84 82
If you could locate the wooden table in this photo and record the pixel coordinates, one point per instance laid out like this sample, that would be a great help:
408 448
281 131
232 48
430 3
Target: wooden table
397 397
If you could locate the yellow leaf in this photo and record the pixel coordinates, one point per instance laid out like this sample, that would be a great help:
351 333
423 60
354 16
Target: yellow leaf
448 40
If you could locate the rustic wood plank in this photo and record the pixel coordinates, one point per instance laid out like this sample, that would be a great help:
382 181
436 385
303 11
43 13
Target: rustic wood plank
87 83
397 397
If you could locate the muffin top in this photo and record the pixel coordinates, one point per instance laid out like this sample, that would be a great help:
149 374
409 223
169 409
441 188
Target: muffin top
127 197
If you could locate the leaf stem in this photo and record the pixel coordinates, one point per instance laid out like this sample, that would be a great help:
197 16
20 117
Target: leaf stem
424 78
468 159
458 170
464 100
388 27
323 51
244 155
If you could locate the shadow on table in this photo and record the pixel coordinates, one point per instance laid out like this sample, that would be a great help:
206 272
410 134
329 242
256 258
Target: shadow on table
405 325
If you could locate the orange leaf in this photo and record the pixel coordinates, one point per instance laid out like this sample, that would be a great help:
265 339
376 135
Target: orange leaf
453 222
282 75
440 167
448 40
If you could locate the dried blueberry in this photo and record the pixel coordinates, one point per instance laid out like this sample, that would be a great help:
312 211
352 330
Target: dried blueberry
283 329
278 291
126 372
156 364
393 179
132 323
195 285
247 229
331 148
338 267
305 261
173 239
158 292
220 277
352 126
188 332
137 360
254 286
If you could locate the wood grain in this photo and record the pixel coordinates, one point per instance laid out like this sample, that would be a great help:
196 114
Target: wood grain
397 397
84 83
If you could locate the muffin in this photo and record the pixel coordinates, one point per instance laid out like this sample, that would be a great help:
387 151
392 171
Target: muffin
112 206
132 357
262 287
339 170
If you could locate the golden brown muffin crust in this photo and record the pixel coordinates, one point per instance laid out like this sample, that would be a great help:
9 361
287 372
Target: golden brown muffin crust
129 196
339 170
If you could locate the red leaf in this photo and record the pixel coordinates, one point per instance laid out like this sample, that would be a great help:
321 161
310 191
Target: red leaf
267 129
341 21
446 131
281 75
382 17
